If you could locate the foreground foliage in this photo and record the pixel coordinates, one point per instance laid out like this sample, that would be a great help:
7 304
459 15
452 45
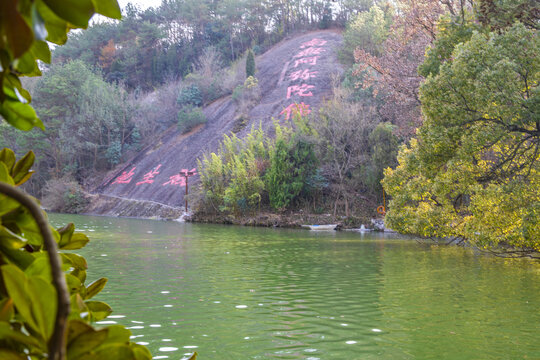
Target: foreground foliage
46 309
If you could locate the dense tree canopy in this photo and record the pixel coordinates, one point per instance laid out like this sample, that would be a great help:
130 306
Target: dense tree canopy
474 171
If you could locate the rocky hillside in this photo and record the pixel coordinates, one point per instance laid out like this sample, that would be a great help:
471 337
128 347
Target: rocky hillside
295 73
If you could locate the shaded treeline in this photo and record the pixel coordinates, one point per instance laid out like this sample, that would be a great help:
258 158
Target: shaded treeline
149 47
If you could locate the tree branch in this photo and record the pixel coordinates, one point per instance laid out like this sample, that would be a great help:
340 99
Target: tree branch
57 342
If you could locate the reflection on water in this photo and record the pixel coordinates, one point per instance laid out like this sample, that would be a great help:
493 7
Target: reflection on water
251 293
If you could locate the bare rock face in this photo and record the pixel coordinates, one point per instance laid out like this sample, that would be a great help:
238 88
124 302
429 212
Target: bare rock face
295 75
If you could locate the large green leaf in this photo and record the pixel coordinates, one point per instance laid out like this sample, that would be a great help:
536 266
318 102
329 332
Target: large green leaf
22 259
27 65
117 334
22 167
16 284
115 351
86 342
74 284
76 328
11 81
77 12
40 50
56 27
7 156
76 261
10 240
65 234
140 352
20 115
24 222
77 241
6 309
44 312
5 174
109 8
98 309
79 274
6 354
17 32
95 287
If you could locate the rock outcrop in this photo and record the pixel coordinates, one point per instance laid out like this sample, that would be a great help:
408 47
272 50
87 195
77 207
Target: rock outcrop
295 74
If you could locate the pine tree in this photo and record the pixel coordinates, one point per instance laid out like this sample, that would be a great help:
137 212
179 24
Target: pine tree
250 64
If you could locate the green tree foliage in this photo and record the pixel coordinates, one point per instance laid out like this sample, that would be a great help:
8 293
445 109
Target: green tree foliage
257 171
250 64
383 146
474 172
189 117
148 48
89 123
292 162
190 95
232 179
367 31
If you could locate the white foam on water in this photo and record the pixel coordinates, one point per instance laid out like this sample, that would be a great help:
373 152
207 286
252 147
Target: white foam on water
168 348
167 305
155 325
116 316
142 343
190 347
376 330
106 322
241 306
350 342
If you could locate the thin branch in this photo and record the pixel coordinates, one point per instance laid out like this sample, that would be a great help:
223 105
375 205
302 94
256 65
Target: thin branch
57 342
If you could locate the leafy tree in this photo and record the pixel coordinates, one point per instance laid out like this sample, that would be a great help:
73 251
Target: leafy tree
190 95
292 161
383 148
232 179
343 144
475 169
189 117
250 64
366 31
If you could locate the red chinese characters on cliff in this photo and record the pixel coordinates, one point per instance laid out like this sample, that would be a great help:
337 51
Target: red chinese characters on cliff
300 90
180 179
313 42
293 109
303 75
308 60
310 52
126 177
148 178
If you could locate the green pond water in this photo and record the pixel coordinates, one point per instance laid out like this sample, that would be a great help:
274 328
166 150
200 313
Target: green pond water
253 293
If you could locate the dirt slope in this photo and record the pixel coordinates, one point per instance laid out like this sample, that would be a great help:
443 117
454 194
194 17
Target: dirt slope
297 70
